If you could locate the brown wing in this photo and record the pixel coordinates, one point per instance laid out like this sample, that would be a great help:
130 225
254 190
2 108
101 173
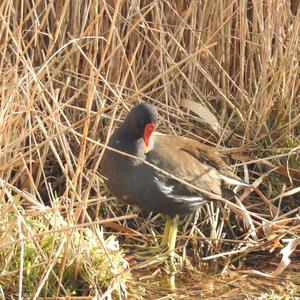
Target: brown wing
169 154
208 155
192 161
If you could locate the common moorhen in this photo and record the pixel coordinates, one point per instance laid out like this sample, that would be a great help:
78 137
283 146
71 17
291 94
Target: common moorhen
134 182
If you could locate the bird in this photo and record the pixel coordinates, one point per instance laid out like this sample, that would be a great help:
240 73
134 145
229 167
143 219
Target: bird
147 174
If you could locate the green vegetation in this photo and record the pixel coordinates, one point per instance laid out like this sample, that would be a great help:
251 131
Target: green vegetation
55 257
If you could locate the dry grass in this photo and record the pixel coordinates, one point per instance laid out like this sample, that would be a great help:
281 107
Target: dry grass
70 71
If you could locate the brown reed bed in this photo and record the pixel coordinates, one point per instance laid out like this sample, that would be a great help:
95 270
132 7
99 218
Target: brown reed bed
223 72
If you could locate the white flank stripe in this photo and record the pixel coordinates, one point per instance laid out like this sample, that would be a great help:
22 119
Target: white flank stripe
233 181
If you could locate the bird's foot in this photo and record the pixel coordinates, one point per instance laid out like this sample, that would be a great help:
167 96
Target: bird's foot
174 259
147 250
171 257
150 250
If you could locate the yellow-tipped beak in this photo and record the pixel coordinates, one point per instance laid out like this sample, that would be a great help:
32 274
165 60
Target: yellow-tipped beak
146 148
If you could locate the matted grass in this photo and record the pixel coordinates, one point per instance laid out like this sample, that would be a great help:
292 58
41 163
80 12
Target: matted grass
222 72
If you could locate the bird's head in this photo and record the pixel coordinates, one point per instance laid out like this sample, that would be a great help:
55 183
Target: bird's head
141 122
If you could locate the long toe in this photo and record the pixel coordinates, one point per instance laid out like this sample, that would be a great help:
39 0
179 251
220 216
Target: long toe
160 258
146 250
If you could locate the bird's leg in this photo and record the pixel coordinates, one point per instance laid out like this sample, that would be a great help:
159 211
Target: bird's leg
166 234
164 242
172 240
173 233
168 239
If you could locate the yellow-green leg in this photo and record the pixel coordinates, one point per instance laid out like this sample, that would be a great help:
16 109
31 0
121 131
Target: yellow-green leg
164 242
168 239
172 241
166 234
173 233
